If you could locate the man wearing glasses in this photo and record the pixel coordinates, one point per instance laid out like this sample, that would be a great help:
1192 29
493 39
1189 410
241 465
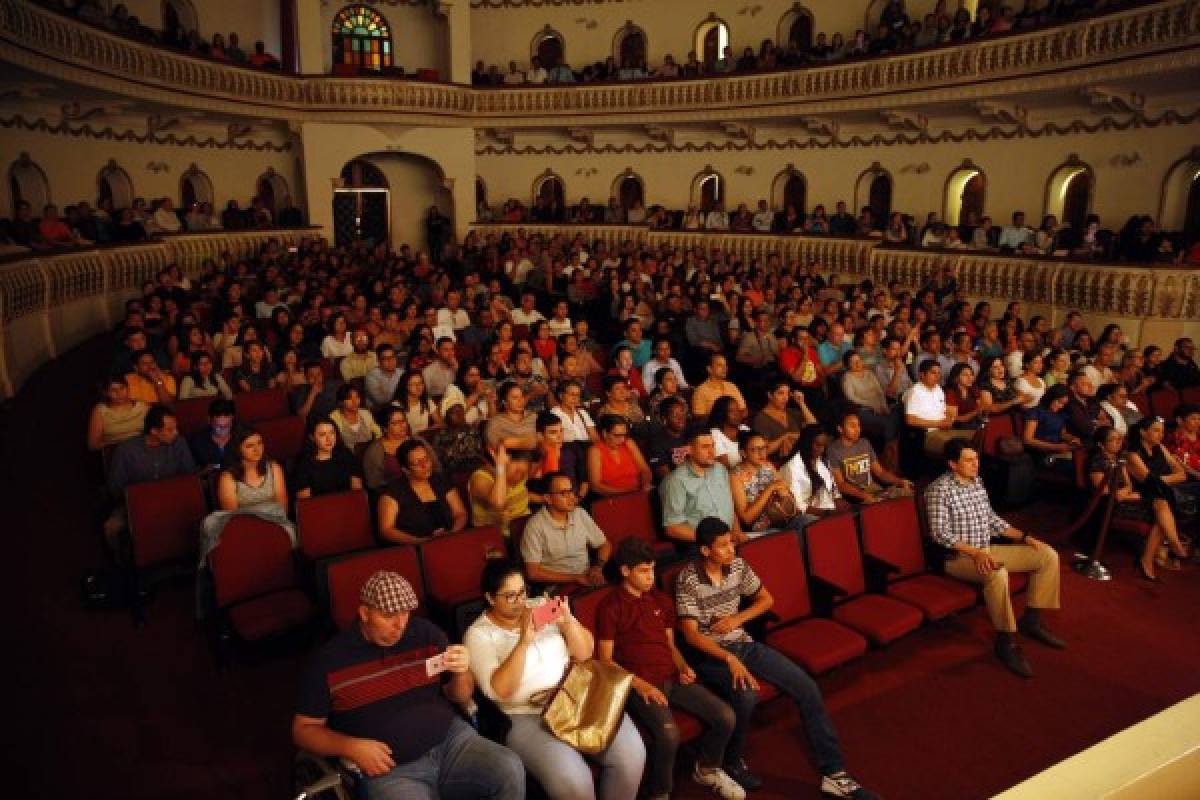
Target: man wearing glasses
556 539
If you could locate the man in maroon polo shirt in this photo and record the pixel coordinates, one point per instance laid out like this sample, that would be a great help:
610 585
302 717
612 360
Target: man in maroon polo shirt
634 630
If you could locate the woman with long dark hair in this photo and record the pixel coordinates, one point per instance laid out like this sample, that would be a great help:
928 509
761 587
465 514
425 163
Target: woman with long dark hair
808 475
250 483
325 465
1155 472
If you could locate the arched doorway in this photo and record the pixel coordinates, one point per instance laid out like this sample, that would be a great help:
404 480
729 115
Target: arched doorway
1069 192
789 189
1180 205
361 204
796 26
271 192
966 191
629 189
27 182
708 190
549 47
179 18
113 184
194 187
549 191
361 38
630 45
874 190
1191 220
712 37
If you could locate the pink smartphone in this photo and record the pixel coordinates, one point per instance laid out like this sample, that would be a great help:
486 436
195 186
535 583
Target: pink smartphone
546 613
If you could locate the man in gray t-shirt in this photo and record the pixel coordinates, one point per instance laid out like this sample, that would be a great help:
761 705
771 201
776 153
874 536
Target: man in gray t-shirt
856 468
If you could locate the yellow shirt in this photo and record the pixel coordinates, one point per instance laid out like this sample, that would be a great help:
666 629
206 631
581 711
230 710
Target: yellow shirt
516 504
704 395
142 389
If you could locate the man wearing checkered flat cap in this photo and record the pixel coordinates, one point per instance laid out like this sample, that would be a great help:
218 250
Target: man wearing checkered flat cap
381 695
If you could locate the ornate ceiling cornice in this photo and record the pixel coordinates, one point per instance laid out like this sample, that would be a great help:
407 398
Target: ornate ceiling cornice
983 134
152 136
541 3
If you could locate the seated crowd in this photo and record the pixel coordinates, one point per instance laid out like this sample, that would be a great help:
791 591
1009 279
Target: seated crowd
517 381
121 21
1139 239
84 225
894 33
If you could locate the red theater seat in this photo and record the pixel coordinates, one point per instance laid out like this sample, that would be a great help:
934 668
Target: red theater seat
344 578
628 515
817 644
260 405
164 519
192 415
333 524
254 578
283 437
891 535
834 558
453 564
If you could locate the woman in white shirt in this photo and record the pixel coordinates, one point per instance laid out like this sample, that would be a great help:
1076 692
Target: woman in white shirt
1030 385
339 343
519 666
577 423
725 419
807 473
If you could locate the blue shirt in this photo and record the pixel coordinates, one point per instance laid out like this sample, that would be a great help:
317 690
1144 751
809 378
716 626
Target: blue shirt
689 496
1050 425
832 354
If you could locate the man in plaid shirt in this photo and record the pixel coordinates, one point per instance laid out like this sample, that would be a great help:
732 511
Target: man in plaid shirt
961 519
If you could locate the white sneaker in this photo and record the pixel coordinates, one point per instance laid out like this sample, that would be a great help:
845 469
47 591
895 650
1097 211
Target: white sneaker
723 785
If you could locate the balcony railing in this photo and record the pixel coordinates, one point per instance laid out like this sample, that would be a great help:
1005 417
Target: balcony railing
51 302
44 40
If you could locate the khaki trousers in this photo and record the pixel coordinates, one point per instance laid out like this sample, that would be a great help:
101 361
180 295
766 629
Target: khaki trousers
1042 562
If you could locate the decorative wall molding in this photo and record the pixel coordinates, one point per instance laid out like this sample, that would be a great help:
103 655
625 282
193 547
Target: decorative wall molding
995 132
153 135
541 3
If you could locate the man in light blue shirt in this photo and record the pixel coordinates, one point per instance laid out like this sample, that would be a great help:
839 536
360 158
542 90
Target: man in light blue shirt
1017 235
698 488
834 348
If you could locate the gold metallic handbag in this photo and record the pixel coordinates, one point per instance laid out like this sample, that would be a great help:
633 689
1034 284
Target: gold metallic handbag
588 707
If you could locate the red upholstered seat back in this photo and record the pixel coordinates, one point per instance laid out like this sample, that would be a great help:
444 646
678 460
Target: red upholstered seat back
834 555
891 532
253 558
192 415
333 524
779 563
283 437
260 405
624 516
453 564
164 519
346 576
998 427
584 606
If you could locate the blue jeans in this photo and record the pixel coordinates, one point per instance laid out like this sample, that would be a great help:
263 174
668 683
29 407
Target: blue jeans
772 666
465 766
561 769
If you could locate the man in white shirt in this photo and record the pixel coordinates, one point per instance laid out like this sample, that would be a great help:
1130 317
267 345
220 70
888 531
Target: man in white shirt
537 73
925 408
560 323
1100 370
165 219
1017 235
514 76
717 219
764 218
661 358
452 315
526 314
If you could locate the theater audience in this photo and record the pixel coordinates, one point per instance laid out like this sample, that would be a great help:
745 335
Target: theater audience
250 483
779 422
148 382
202 380
326 465
380 463
698 488
419 504
413 398
857 472
116 417
498 489
355 425
1184 441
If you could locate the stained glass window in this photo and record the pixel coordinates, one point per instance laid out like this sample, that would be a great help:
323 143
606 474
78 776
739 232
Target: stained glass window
361 37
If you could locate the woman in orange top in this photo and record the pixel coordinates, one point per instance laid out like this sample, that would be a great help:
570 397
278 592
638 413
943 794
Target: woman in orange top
616 465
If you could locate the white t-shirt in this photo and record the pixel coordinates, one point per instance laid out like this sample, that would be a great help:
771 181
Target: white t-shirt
1035 392
574 428
488 645
456 319
653 366
520 316
559 327
332 348
925 403
727 447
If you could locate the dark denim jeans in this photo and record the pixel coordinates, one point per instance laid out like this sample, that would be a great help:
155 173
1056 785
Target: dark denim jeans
465 766
791 679
698 701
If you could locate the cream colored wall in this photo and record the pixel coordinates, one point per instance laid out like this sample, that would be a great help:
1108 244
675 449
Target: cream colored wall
499 35
416 186
418 37
1016 170
72 164
328 147
251 20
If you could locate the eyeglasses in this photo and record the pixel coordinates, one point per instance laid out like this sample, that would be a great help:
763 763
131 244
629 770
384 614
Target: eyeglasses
760 448
564 492
616 435
513 596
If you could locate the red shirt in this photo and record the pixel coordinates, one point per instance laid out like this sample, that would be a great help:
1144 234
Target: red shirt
1184 449
637 627
790 358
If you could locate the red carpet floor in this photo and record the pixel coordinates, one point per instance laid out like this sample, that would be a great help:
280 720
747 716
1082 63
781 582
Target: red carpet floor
100 710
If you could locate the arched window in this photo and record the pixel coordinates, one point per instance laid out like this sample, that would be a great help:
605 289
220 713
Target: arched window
1180 209
966 190
179 17
194 187
362 38
796 26
549 47
27 182
712 37
113 184
549 190
629 189
874 190
629 45
789 189
708 189
1069 192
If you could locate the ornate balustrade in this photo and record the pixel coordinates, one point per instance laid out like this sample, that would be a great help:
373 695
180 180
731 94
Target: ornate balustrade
50 303
59 45
1153 303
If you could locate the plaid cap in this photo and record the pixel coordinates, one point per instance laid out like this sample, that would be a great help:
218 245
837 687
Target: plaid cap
388 592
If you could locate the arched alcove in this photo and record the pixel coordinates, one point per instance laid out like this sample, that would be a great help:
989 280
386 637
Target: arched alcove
965 192
1179 209
271 191
629 189
630 45
796 25
179 16
708 189
27 181
194 187
549 188
874 189
113 184
361 203
789 188
711 39
1069 191
549 46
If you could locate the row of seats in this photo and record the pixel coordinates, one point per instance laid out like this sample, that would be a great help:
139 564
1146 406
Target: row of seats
266 409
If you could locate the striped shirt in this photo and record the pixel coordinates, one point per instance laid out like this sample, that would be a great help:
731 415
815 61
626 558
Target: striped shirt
698 598
960 513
